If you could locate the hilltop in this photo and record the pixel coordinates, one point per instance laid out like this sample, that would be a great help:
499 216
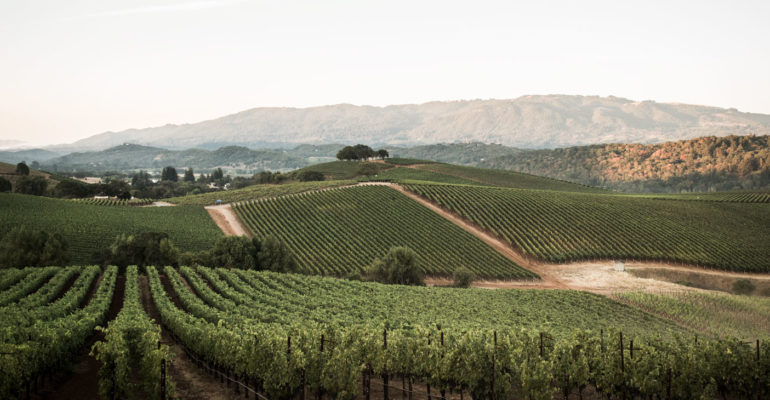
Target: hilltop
527 122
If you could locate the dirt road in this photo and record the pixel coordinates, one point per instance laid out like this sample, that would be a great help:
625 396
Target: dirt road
227 221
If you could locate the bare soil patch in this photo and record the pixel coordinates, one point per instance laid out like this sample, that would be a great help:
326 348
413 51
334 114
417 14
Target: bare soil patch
227 221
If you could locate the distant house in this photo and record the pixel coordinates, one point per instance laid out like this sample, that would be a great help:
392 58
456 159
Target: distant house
213 185
101 197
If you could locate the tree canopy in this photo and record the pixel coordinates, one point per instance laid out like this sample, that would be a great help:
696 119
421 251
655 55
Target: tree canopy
21 247
22 168
5 185
399 266
34 185
169 174
357 152
189 175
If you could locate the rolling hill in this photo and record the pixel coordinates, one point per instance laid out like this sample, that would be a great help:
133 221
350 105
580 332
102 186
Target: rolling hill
526 122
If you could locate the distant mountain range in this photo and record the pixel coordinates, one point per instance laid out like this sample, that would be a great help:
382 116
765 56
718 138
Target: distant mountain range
529 122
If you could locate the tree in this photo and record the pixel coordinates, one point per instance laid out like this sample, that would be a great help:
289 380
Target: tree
274 256
21 247
5 185
308 176
235 252
346 153
34 185
22 168
189 175
463 277
217 175
169 174
124 196
141 180
399 266
148 248
383 154
357 152
72 189
35 165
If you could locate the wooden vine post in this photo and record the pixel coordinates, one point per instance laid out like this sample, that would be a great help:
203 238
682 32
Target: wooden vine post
162 378
385 372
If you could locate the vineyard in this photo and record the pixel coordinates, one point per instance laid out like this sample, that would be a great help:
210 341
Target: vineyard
40 332
256 192
510 179
88 227
286 334
414 174
713 314
564 227
733 197
114 202
339 231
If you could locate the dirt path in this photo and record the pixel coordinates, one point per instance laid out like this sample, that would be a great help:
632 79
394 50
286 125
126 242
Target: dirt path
191 382
227 221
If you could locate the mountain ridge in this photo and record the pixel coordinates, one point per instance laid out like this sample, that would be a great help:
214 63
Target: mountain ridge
530 122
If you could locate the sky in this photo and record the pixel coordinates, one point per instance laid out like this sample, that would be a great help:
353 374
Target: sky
72 69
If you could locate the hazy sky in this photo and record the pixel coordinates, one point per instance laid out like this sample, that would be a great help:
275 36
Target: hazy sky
71 69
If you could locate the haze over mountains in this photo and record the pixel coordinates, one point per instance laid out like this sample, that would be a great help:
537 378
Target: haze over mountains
531 122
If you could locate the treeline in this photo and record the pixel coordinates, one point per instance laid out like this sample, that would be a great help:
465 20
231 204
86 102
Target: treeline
702 164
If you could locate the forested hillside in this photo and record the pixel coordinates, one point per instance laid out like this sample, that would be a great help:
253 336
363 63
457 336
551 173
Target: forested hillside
702 164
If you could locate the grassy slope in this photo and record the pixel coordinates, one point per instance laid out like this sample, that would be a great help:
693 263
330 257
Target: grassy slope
256 192
88 228
342 169
339 231
561 226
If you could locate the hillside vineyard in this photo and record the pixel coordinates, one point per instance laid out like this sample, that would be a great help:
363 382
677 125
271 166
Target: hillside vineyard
564 227
339 231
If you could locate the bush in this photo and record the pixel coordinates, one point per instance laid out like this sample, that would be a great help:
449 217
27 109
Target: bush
463 277
5 185
21 247
148 248
34 185
399 266
310 176
275 256
235 252
743 286
22 169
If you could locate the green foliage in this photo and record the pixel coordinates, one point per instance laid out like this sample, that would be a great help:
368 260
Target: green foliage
169 174
5 185
383 154
235 252
564 227
131 342
368 169
463 277
357 152
509 179
32 185
335 232
413 174
116 201
147 248
242 322
713 314
22 169
88 227
189 175
31 346
399 266
256 192
141 180
23 247
310 176
743 286
274 256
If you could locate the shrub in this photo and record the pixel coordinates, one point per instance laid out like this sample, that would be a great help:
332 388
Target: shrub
21 247
148 248
34 185
463 277
5 185
309 176
399 266
743 286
